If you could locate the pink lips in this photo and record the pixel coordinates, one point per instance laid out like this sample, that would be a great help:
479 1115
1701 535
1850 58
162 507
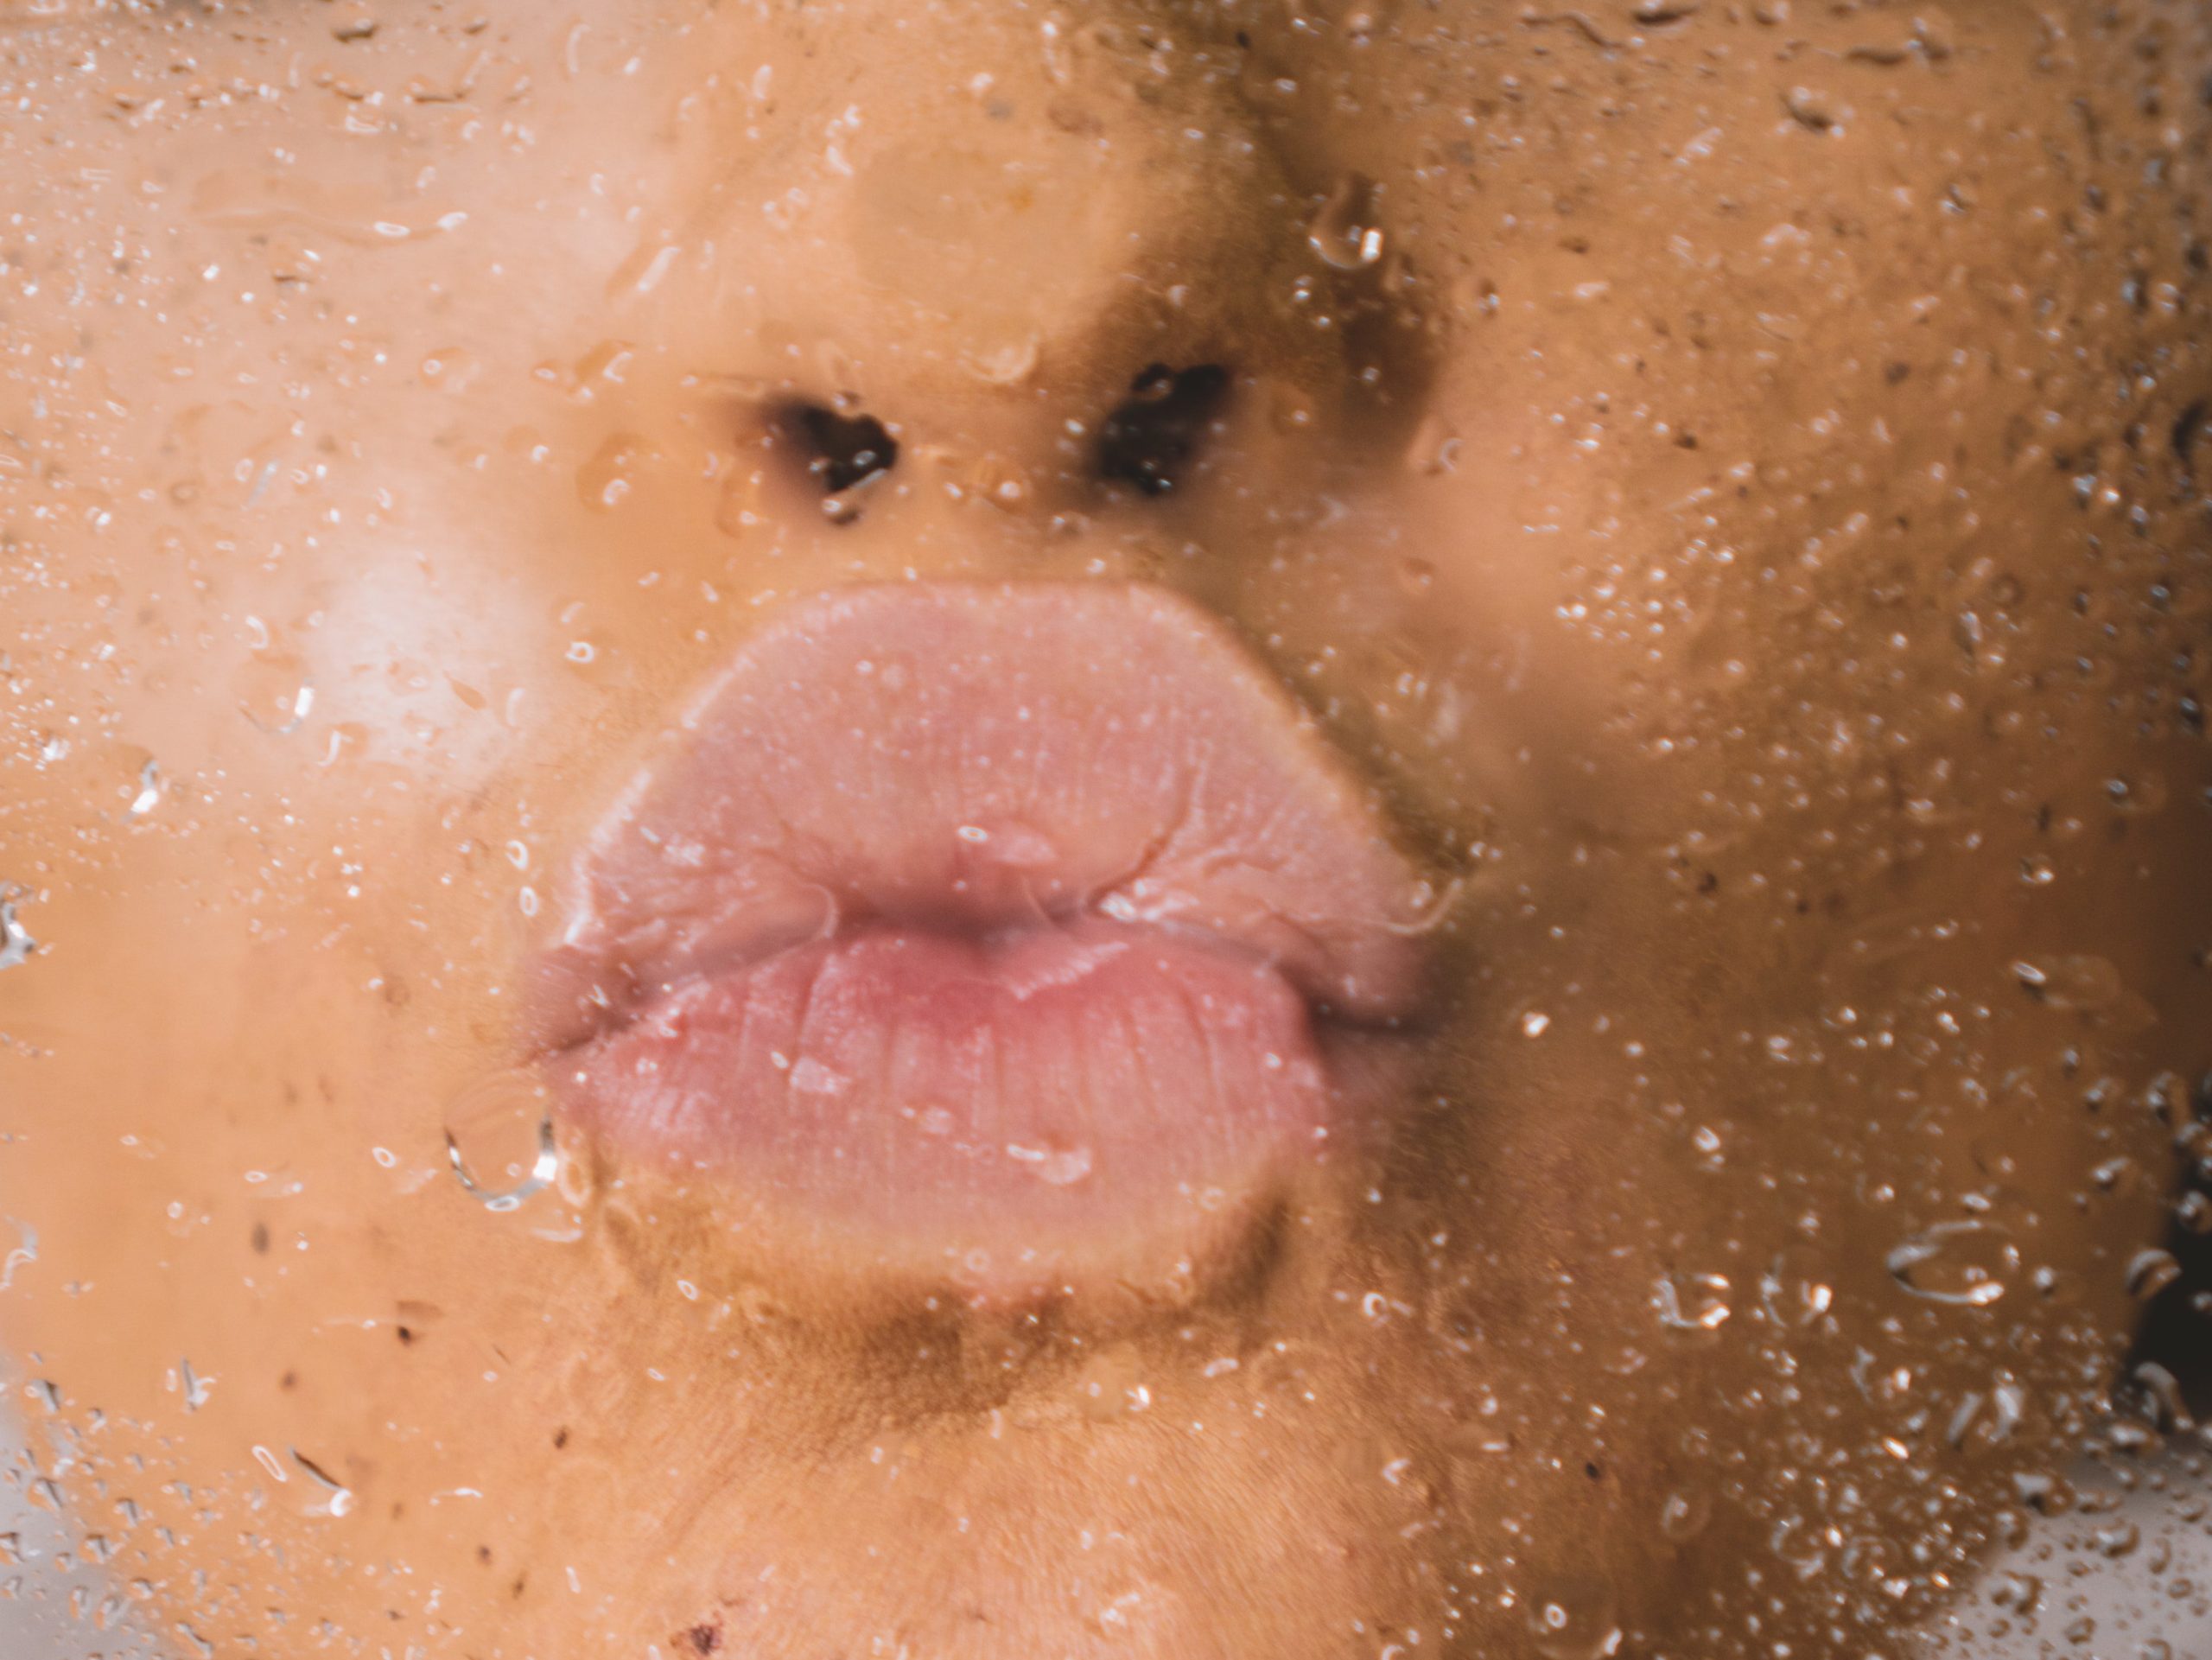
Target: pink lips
1016 931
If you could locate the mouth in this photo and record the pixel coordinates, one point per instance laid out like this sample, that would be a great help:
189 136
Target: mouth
1019 934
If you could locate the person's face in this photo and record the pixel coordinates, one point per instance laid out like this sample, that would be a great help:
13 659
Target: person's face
1323 830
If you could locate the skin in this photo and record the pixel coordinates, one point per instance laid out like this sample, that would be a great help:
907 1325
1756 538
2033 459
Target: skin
1746 521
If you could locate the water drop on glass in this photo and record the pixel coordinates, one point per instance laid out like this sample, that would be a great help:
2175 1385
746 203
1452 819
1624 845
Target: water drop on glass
16 942
1965 1263
499 1139
272 688
149 790
1691 1302
605 480
338 1497
1575 1622
1683 1516
1055 1167
1343 233
2152 1272
2018 1592
2119 1539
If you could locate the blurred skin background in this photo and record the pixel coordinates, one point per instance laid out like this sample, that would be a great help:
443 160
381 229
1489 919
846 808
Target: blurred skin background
1726 480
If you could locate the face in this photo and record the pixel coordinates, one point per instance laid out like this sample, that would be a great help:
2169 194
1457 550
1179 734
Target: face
1185 829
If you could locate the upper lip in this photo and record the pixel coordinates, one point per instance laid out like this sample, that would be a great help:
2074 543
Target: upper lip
983 757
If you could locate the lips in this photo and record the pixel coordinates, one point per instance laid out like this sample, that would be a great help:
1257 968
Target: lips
1022 933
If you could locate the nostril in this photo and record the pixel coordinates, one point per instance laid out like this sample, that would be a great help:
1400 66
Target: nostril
1150 439
839 450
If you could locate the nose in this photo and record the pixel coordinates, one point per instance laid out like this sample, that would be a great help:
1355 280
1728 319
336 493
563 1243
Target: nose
991 237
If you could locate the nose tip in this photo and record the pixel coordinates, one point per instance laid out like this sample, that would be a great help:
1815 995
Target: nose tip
969 255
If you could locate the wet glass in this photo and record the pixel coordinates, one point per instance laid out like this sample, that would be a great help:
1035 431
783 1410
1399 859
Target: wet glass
1263 828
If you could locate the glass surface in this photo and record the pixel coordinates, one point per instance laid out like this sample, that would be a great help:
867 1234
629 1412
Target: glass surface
1201 828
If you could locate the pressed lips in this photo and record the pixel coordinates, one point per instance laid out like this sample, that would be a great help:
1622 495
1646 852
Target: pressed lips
1023 933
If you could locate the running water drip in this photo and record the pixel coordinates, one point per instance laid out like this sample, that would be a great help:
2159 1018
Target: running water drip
499 1139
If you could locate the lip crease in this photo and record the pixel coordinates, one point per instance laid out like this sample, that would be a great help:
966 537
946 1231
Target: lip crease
1024 934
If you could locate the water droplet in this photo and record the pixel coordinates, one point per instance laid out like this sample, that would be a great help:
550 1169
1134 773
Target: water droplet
738 509
450 369
149 790
1291 407
605 480
2114 1175
2039 870
2162 1393
273 692
1005 363
812 1077
1343 233
2044 1494
1434 449
1683 1516
1534 1024
1119 1616
2018 1592
1812 108
1111 1387
604 363
499 1138
1977 641
195 1388
277 204
1363 23
21 1256
1055 1167
1967 1264
1691 1302
338 1499
2144 793
2194 1212
1574 1622
1990 1419
2151 1272
17 944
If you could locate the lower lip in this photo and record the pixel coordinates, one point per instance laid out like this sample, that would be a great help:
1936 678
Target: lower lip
999 1107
